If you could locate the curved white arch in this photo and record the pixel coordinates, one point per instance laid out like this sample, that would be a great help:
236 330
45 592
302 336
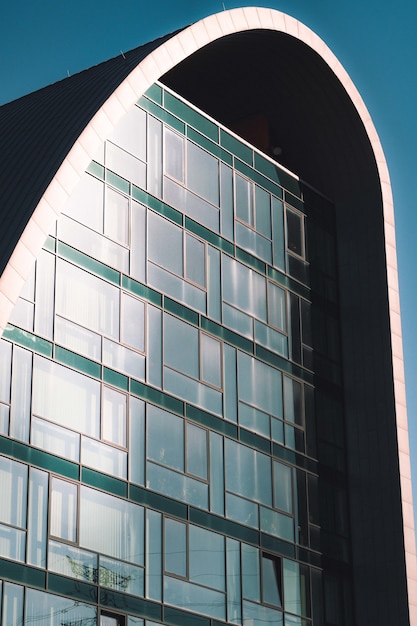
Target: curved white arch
155 65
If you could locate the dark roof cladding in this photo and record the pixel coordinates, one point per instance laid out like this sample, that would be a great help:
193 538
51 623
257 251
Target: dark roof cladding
30 152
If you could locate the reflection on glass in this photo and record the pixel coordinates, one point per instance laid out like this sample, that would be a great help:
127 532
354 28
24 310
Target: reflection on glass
45 608
63 518
175 547
73 562
271 580
196 451
13 490
165 438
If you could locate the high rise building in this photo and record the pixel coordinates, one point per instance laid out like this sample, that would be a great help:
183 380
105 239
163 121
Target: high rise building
202 408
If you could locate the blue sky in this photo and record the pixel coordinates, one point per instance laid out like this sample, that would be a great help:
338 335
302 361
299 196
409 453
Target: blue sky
41 42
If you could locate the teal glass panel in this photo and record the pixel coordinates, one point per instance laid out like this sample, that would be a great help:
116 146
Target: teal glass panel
138 241
234 596
274 523
78 362
203 173
176 485
157 397
154 345
163 115
191 204
104 482
142 290
111 526
211 367
13 487
216 474
177 287
66 397
12 543
227 335
277 428
104 458
21 392
258 615
255 420
206 558
73 562
192 597
191 116
251 577
251 260
117 181
235 146
154 157
230 383
209 145
96 170
278 240
156 501
259 385
213 284
64 506
121 576
175 547
90 264
27 340
153 546
37 517
267 167
137 441
181 311
243 288
226 201
154 92
209 236
283 490
196 451
157 205
5 370
50 244
13 604
293 200
55 610
254 441
248 473
241 510
165 434
115 379
137 621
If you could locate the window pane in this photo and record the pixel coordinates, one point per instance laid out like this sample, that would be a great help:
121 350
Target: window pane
114 416
244 288
195 260
5 367
37 517
133 322
181 346
251 579
277 313
174 154
263 212
130 133
77 338
165 438
294 233
45 608
66 397
211 360
13 490
202 173
248 473
123 359
165 243
128 166
55 439
116 217
85 204
293 400
63 521
175 547
103 458
196 451
283 487
244 201
271 580
259 385
207 558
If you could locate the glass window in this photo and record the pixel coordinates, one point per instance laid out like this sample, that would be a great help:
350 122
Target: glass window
248 473
77 338
259 385
263 212
112 526
103 457
283 498
64 502
293 409
87 300
165 243
45 608
66 397
181 348
295 233
165 438
133 322
130 133
271 580
244 200
206 558
85 203
114 416
174 154
175 547
211 371
13 490
55 439
5 367
203 173
128 166
243 287
196 451
195 265
277 308
116 217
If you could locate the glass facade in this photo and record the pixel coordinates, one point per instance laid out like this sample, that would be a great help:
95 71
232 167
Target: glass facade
170 378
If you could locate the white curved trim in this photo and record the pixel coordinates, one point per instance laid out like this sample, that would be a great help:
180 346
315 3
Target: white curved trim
157 63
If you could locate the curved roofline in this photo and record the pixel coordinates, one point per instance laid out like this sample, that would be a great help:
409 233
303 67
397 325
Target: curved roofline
159 61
